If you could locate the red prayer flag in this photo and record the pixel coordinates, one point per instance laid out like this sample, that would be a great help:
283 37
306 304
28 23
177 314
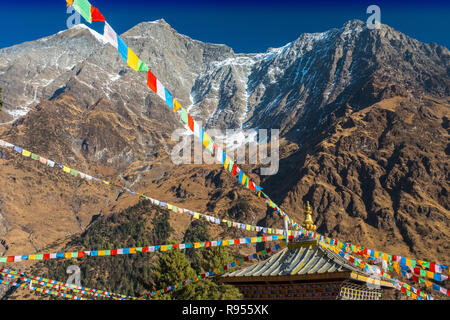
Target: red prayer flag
46 256
175 246
96 15
432 265
114 252
80 254
190 122
233 172
10 259
415 279
236 241
151 81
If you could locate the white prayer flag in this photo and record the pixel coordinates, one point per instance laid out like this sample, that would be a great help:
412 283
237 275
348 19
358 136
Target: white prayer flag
110 35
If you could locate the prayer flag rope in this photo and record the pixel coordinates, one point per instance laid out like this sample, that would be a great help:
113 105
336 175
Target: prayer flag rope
156 86
58 284
418 295
126 251
215 271
171 207
42 290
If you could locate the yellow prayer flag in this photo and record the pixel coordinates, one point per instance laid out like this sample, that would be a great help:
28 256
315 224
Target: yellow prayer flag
169 206
253 239
247 227
376 254
430 275
227 161
26 153
163 248
133 60
66 169
244 178
32 257
176 105
385 257
414 296
68 255
205 139
101 253
106 182
197 245
408 262
196 215
132 250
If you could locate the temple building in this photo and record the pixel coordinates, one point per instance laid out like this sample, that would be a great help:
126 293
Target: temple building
306 271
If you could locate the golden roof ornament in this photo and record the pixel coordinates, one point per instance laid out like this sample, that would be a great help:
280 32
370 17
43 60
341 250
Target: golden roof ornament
308 224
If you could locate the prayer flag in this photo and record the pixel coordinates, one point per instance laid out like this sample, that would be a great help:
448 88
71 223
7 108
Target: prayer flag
151 81
84 8
176 105
123 48
132 60
96 15
168 98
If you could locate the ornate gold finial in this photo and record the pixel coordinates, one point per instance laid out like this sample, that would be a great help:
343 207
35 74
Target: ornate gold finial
308 224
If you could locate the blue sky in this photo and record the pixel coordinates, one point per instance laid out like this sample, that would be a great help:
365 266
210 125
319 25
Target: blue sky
245 25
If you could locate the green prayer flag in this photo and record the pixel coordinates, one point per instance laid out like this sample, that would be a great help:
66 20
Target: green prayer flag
39 256
107 252
263 252
423 273
421 280
426 264
246 183
169 246
408 293
84 8
3 259
74 172
74 254
142 66
413 263
230 166
202 244
175 209
139 249
34 156
221 269
241 260
258 239
229 223
184 115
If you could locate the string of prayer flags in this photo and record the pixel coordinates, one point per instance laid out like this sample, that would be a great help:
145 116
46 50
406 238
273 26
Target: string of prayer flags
127 251
55 284
41 290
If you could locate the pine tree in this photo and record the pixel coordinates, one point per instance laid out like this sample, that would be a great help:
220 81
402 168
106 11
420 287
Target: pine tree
173 267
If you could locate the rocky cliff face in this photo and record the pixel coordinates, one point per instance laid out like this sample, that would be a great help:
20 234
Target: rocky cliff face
363 116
